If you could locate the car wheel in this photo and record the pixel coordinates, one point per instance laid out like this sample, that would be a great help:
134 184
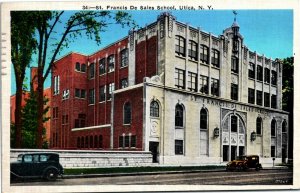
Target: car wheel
51 175
257 168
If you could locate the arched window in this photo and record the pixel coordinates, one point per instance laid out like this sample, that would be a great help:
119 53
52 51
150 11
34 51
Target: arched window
100 141
96 144
203 119
273 128
180 45
284 126
179 116
258 126
154 109
127 113
234 120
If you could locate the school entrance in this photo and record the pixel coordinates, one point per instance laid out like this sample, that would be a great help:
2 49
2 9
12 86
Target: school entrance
233 134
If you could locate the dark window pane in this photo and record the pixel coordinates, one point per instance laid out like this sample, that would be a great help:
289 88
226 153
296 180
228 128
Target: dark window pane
178 147
234 123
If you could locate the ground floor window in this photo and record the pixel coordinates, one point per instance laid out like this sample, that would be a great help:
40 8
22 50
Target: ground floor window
178 147
273 151
128 141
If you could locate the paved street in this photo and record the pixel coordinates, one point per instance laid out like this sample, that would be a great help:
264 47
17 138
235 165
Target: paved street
268 177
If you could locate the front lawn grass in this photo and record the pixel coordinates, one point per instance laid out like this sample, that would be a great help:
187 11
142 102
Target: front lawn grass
78 171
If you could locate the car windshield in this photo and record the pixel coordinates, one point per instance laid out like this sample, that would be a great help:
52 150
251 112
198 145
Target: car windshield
19 159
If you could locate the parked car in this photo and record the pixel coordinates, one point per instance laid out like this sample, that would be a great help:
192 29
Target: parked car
244 163
37 165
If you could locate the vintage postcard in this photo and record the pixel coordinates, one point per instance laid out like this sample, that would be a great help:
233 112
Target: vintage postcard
115 96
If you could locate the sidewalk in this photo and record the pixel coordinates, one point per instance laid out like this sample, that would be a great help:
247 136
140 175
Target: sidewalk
160 172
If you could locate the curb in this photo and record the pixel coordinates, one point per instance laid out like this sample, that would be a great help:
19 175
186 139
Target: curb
155 173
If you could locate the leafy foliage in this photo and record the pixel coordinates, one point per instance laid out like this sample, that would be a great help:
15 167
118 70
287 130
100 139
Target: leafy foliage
288 83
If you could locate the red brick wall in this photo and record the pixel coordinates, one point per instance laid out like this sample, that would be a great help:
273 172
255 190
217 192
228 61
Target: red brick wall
135 98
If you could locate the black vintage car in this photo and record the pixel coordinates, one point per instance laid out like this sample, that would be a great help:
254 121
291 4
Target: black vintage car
244 163
37 165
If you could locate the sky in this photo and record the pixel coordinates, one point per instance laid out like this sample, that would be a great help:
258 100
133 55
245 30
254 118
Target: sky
268 32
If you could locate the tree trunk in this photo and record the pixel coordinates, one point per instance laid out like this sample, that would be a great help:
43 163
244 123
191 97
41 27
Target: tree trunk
18 115
40 104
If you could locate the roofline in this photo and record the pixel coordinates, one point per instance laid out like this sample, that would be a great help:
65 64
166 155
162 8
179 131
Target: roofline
108 45
69 53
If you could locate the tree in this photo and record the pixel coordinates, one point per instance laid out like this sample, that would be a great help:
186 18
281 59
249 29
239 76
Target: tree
90 23
288 95
23 45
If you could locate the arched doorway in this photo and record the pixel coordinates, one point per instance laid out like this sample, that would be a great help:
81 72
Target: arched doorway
233 136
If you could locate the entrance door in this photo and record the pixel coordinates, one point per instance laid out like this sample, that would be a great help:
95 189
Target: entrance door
233 152
241 151
225 152
153 147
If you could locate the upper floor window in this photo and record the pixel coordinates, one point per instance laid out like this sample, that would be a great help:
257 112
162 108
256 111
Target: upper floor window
273 101
258 126
203 119
80 93
83 67
273 128
179 78
180 46
91 96
111 88
274 78
251 95
66 94
92 70
77 66
214 87
234 121
204 54
102 93
267 75
127 113
111 63
234 91
259 75
102 66
251 70
80 121
259 97
192 81
215 58
80 68
124 83
193 50
204 84
124 58
267 99
179 116
56 85
154 109
234 65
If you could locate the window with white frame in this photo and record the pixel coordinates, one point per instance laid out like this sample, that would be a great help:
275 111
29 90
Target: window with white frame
179 78
193 50
180 46
102 67
111 88
124 58
111 63
192 81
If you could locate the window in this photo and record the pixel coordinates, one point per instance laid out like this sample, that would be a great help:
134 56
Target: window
251 93
80 93
273 128
284 126
267 75
126 141
56 85
121 141
234 91
80 121
251 70
78 142
96 143
234 65
178 147
273 101
259 75
102 93
203 119
124 58
124 83
65 119
215 58
28 158
133 141
154 109
204 54
178 116
127 113
259 97
204 84
111 63
179 78
91 96
86 142
234 123
192 81
92 70
214 87
100 141
102 66
77 66
66 94
193 50
111 88
180 46
83 67
77 92
258 126
273 151
274 78
266 99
